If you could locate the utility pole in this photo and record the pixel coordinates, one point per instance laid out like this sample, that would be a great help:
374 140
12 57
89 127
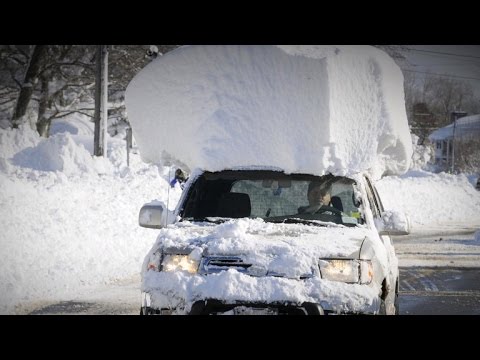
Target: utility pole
105 101
97 149
455 115
129 143
101 102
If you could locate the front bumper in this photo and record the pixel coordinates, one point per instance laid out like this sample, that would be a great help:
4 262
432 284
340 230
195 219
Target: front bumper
228 291
209 307
217 307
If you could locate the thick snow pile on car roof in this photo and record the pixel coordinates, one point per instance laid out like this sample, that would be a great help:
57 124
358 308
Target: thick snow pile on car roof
306 109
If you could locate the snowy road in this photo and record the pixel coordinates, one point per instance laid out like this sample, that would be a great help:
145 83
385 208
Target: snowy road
119 298
445 250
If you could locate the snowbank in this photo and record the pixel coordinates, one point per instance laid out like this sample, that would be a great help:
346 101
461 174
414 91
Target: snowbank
66 222
434 202
307 109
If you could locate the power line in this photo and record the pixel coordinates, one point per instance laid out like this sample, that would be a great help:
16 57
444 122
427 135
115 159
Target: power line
445 75
444 53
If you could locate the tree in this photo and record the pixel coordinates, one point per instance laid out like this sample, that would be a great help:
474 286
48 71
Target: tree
467 155
66 84
56 77
444 95
422 121
13 61
54 81
31 77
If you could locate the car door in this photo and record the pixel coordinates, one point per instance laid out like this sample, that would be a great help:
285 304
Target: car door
377 210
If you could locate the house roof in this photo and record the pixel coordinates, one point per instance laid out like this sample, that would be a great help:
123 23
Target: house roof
466 127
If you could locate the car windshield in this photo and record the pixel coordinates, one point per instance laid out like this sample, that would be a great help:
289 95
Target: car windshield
274 197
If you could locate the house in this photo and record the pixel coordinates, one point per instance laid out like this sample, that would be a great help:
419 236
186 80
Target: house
464 129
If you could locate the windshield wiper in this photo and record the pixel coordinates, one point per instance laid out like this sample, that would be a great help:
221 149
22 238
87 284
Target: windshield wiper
296 221
214 220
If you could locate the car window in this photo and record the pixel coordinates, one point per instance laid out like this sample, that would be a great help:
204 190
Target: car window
268 198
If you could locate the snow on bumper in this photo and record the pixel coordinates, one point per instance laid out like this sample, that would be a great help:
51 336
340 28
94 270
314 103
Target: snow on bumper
179 290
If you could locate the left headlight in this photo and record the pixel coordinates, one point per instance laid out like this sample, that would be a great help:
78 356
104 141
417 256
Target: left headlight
347 270
179 263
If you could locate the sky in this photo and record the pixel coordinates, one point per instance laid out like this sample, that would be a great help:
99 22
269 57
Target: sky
462 62
70 221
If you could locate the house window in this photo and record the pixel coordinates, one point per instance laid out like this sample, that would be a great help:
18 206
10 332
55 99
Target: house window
444 148
439 144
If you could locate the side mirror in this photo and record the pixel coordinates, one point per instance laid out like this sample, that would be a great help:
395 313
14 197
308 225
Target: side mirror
393 223
153 215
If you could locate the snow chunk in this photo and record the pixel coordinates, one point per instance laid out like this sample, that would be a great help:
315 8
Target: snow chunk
310 109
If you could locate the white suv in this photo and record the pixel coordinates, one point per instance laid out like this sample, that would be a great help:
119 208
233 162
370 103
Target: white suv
239 243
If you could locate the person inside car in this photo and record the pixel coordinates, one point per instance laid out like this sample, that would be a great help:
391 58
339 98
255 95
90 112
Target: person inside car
318 194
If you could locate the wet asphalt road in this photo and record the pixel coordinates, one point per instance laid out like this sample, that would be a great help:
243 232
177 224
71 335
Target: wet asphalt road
439 291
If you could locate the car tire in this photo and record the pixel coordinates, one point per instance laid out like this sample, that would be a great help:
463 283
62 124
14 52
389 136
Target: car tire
383 308
397 304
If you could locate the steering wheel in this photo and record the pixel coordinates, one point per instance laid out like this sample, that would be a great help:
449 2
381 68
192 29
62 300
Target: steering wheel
325 208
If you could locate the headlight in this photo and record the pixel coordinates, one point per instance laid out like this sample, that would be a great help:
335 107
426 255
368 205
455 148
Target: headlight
179 263
346 270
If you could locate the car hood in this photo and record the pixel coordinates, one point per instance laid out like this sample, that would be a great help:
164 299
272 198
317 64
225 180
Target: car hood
287 250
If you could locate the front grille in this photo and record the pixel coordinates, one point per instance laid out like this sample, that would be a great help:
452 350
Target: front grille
216 264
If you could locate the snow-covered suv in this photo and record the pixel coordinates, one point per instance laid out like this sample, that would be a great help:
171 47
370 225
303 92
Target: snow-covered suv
237 243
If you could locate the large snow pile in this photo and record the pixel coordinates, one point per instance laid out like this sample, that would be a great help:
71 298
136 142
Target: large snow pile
434 202
67 220
307 109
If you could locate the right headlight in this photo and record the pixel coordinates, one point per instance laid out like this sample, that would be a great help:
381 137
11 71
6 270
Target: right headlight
346 270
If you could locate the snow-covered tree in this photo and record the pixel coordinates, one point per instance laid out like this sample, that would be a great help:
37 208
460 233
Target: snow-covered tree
53 81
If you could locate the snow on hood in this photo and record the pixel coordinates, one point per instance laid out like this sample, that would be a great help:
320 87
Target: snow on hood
288 250
307 109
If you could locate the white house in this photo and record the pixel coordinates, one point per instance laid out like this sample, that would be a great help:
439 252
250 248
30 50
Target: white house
466 128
